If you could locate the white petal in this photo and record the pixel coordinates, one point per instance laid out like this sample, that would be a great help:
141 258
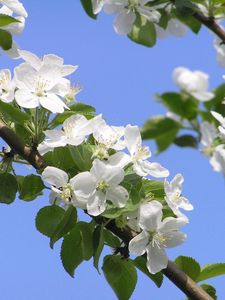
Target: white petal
172 224
174 239
203 96
31 58
144 168
15 6
119 159
138 244
124 22
118 195
83 184
53 103
68 69
150 215
219 117
55 176
26 99
26 76
132 138
156 259
96 204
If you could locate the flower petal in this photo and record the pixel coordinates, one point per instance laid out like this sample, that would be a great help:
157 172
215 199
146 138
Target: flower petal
55 176
118 195
156 259
96 204
124 22
139 243
150 215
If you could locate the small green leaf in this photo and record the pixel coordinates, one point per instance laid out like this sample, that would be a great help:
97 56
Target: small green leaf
121 275
211 270
86 239
8 188
31 187
12 113
143 32
210 290
48 218
185 7
162 129
67 222
153 189
6 20
5 40
190 266
140 263
110 239
82 156
216 103
186 140
87 5
71 251
98 244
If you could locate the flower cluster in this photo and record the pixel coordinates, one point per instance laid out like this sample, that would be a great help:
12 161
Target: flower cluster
16 10
38 82
118 151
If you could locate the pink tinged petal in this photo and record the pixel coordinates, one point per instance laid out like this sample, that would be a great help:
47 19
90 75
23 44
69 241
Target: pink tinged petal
26 99
52 103
83 184
96 204
118 195
150 215
31 58
124 22
132 138
156 259
55 176
119 159
139 243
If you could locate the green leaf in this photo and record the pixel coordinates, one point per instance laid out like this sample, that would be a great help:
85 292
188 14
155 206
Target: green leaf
162 129
31 187
71 251
110 239
82 156
143 32
216 102
140 263
8 188
77 108
67 222
12 113
6 20
186 140
190 266
87 5
48 218
210 290
153 189
185 7
98 244
211 270
181 104
191 22
5 40
86 239
121 275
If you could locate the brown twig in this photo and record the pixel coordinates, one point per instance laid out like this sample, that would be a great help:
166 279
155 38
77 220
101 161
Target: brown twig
178 277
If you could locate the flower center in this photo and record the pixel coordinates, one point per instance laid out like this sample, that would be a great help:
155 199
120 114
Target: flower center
142 153
41 87
73 91
67 192
101 153
4 83
157 239
102 186
132 5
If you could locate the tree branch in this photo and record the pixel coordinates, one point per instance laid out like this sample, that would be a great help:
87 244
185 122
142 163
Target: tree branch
29 154
178 277
211 24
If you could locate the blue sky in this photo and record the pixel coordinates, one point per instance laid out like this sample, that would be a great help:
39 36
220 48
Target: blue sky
120 79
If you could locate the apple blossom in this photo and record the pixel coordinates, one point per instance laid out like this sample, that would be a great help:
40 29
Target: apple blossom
7 86
173 196
75 130
127 11
42 87
74 191
138 155
107 179
193 82
218 159
156 235
221 120
14 6
208 135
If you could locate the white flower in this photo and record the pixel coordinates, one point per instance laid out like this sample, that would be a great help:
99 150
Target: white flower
7 86
138 155
127 11
14 6
195 83
220 50
75 130
97 6
208 134
107 179
173 196
221 120
174 27
42 87
48 59
75 191
156 236
218 159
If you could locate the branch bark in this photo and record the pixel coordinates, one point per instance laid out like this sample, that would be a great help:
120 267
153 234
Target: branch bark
178 277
